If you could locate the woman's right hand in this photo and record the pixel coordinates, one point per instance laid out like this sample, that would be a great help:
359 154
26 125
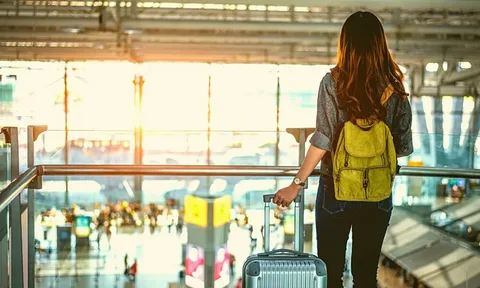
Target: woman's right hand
285 196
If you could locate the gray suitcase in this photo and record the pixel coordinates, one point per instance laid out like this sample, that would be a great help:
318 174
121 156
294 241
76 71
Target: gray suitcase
283 268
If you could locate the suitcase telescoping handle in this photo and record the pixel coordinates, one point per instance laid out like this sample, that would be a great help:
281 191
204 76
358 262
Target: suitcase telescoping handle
267 198
283 252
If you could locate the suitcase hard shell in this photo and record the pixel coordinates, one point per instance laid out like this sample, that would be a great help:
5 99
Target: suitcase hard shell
283 268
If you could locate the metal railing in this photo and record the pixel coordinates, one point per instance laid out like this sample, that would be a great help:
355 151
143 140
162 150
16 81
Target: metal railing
31 179
23 181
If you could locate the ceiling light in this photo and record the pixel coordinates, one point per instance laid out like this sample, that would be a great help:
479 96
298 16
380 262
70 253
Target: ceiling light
132 31
73 30
432 67
465 65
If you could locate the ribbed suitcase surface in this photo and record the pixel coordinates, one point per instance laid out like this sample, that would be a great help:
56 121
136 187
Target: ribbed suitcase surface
302 271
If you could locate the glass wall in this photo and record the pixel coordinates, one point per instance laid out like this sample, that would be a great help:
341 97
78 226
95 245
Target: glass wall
243 114
100 113
200 114
444 131
175 113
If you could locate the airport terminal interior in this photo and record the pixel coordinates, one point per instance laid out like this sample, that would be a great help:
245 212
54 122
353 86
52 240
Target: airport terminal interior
87 85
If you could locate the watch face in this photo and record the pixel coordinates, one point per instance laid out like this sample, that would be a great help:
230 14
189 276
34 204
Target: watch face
296 181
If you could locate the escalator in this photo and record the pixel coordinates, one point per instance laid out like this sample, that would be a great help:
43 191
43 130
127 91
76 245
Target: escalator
461 220
431 253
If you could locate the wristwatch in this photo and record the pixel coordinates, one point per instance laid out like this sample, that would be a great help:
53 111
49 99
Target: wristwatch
297 181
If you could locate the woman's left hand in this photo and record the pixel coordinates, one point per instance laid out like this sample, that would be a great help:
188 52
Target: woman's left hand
285 196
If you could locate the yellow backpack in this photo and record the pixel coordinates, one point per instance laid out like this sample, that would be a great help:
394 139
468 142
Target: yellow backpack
364 161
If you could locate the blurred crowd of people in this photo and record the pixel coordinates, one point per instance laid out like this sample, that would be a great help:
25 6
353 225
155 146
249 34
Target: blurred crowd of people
120 213
135 214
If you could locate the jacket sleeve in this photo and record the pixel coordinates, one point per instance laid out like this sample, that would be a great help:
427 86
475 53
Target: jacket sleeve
327 115
402 128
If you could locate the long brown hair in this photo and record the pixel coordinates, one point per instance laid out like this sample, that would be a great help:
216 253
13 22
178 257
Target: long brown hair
365 67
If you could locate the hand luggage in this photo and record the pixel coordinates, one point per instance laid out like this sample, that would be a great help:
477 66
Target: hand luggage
283 268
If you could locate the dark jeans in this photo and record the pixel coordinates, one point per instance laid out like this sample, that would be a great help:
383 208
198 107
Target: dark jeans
369 222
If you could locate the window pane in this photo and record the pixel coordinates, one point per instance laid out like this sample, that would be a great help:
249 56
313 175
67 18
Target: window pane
100 112
175 113
101 96
244 97
175 96
29 94
298 105
298 94
442 130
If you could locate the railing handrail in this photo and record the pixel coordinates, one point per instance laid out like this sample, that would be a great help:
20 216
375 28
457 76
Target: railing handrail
17 185
170 170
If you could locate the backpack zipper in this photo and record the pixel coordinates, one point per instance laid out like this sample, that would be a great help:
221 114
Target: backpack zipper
337 176
365 182
365 175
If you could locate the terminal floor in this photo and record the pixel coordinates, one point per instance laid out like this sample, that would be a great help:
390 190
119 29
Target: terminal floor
159 257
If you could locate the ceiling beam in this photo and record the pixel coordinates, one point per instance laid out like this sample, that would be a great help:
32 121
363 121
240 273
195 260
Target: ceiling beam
165 55
213 51
467 5
374 5
454 53
43 9
191 25
303 39
445 90
461 76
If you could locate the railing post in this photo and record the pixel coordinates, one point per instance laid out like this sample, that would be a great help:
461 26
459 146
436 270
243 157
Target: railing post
301 135
32 134
4 249
16 255
4 282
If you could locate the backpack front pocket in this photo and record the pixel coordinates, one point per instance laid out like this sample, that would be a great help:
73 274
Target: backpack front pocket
381 188
347 183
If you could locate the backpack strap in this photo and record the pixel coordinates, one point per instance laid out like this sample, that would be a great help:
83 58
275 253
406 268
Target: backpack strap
387 93
337 135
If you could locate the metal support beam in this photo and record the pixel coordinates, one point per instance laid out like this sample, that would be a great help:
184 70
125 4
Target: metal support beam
377 5
459 91
277 121
417 80
133 9
192 55
215 38
66 146
461 76
468 5
475 126
138 133
192 25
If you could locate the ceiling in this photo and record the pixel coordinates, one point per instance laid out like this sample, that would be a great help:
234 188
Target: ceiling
266 31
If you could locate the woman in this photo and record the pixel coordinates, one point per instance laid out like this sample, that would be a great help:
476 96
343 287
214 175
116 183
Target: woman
366 83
